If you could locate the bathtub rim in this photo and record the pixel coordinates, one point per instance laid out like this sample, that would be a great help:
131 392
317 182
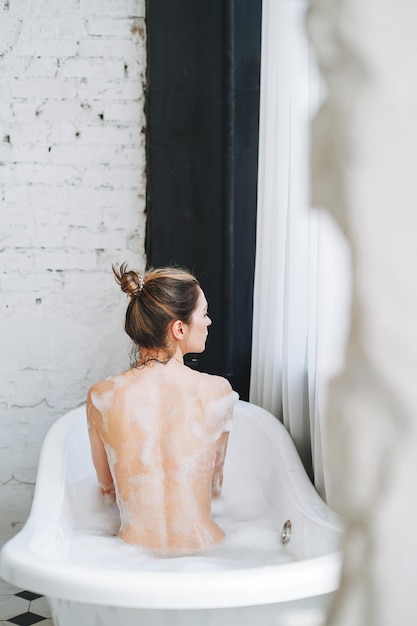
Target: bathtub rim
172 590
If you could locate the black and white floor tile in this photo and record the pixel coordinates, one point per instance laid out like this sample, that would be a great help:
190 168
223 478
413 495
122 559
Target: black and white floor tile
23 608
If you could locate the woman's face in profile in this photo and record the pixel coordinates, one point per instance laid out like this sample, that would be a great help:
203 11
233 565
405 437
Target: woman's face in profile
197 330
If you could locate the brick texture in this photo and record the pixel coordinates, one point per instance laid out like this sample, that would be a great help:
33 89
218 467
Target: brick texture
72 186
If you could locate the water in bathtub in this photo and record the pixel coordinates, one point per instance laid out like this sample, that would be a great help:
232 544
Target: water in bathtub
252 535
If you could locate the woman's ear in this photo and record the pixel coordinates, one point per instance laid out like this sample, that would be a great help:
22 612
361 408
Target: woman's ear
178 330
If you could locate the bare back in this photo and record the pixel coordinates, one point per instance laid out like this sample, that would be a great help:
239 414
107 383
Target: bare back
158 436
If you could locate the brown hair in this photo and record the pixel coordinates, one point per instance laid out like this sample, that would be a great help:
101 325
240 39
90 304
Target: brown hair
157 298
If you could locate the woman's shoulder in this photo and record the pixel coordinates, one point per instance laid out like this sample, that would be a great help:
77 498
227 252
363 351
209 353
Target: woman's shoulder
216 387
109 384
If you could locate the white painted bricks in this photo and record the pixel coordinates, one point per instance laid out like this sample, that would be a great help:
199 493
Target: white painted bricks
72 185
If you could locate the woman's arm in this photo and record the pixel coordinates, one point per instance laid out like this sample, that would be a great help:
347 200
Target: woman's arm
98 451
217 480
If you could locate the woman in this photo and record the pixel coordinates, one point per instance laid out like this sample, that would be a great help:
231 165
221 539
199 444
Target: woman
159 431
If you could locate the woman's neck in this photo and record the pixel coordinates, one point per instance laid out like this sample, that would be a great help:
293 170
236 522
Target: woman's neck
149 356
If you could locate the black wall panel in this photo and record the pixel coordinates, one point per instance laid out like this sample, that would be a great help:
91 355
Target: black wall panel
202 155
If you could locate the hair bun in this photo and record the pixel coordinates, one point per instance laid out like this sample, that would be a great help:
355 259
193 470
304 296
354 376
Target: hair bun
130 282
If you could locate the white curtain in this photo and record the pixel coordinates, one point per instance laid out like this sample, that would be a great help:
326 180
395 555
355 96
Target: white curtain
301 292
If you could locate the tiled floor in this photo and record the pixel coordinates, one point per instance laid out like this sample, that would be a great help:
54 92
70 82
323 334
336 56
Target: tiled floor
22 607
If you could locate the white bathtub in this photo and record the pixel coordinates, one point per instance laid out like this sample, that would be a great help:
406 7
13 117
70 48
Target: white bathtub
67 550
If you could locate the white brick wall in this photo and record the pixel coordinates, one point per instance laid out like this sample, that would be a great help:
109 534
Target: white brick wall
72 185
